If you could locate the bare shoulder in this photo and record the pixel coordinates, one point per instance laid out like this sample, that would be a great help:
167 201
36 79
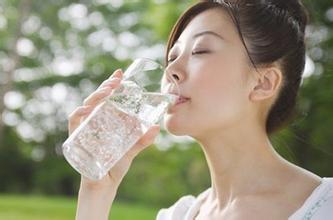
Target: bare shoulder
280 204
301 182
280 198
276 206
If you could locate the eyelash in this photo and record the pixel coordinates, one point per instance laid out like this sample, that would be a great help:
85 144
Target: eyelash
200 52
171 59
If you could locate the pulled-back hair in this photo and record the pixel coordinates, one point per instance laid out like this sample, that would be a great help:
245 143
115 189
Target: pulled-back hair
271 31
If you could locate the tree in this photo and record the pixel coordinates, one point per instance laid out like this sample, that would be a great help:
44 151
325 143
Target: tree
54 53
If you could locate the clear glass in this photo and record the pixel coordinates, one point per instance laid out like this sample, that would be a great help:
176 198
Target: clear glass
117 123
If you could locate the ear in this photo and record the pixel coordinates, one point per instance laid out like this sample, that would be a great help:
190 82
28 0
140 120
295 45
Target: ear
267 84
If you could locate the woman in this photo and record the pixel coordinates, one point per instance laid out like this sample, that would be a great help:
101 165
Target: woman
238 65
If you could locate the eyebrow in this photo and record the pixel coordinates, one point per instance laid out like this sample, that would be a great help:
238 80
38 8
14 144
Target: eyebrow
204 33
208 32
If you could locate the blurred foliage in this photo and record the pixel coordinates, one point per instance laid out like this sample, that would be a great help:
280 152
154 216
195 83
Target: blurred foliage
54 53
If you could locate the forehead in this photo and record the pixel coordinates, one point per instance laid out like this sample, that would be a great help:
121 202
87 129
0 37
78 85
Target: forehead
216 20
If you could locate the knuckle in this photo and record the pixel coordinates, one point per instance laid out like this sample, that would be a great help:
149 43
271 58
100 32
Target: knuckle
71 121
85 101
76 112
72 114
110 83
72 117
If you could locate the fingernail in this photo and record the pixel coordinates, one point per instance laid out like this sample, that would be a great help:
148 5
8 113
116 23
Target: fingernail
113 80
115 73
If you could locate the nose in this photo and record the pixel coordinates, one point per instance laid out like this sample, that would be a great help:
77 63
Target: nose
174 73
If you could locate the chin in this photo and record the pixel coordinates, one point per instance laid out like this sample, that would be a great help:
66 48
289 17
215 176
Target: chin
175 127
177 132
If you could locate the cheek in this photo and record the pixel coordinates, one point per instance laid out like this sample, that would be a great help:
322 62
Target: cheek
220 100
222 86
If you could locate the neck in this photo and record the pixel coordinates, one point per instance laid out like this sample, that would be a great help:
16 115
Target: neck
241 163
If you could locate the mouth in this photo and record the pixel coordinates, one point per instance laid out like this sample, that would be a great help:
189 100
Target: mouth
181 99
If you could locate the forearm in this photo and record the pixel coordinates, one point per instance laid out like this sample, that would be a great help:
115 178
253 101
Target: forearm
94 203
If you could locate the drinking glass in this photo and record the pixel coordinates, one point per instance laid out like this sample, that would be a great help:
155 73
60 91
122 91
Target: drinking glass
118 122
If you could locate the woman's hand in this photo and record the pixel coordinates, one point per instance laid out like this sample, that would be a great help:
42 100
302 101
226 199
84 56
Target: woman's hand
95 197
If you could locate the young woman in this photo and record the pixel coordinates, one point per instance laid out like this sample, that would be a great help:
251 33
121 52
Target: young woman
239 66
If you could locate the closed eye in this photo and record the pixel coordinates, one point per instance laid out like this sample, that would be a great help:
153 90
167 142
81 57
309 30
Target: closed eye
195 52
171 59
198 52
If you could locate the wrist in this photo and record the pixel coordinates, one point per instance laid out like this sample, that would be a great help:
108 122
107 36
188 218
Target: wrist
97 189
95 202
104 185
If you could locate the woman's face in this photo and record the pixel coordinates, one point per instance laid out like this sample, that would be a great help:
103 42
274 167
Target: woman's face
210 64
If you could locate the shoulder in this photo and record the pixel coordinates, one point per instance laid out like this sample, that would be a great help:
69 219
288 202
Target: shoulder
319 205
182 209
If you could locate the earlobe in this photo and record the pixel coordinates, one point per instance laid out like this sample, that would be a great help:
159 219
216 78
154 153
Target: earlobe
267 84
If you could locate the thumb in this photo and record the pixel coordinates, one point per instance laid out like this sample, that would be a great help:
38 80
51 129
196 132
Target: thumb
146 140
148 137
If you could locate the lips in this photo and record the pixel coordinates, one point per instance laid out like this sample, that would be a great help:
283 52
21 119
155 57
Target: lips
181 99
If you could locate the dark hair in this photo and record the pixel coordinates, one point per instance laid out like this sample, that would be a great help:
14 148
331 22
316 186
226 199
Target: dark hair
271 31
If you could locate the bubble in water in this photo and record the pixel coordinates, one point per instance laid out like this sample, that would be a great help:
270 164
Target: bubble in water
113 128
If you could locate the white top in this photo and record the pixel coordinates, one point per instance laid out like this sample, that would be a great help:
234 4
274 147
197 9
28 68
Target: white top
318 206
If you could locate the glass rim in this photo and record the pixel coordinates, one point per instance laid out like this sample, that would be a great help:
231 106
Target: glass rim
157 67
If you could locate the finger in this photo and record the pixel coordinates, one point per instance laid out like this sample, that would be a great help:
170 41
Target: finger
75 117
117 74
109 82
146 140
79 112
98 96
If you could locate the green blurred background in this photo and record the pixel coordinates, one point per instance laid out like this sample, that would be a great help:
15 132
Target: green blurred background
54 53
